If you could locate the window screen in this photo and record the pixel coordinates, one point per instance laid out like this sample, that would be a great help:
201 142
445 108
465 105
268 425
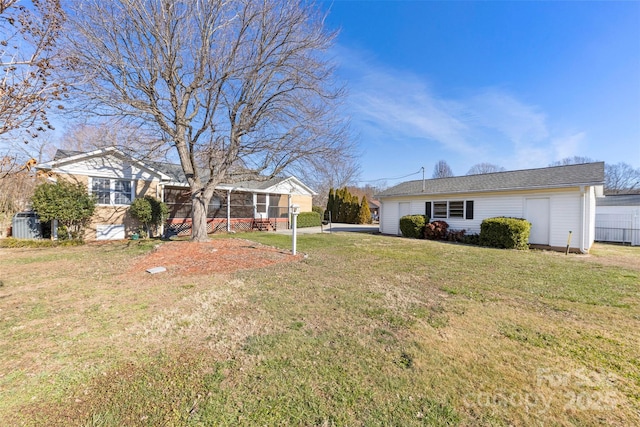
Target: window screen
456 209
439 209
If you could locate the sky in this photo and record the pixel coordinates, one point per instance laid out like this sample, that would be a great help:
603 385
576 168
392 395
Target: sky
519 84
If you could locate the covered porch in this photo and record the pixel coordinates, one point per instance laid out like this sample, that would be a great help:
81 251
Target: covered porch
229 211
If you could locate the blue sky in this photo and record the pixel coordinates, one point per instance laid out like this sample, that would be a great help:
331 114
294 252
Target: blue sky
519 84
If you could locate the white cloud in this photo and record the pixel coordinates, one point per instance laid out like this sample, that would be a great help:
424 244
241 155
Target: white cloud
568 146
401 107
391 107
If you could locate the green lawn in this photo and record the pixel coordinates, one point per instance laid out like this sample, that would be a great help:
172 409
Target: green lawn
367 330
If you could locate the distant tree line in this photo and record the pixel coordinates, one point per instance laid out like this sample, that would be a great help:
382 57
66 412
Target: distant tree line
619 178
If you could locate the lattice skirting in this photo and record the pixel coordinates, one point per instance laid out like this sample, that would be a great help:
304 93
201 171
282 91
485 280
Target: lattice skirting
182 227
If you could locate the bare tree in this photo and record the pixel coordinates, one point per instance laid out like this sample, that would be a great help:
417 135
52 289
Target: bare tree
341 171
135 141
482 168
575 160
442 170
18 177
621 178
226 82
28 36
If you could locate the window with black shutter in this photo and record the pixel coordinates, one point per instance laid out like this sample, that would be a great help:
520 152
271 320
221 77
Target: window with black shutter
427 209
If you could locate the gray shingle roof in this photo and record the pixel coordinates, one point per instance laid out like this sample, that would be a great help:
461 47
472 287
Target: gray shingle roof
551 177
619 200
172 170
258 184
177 176
61 154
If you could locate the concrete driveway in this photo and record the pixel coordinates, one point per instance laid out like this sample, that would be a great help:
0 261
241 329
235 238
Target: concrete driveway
336 228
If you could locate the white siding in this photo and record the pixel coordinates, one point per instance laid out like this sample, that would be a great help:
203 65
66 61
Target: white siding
624 210
590 215
288 187
108 166
618 224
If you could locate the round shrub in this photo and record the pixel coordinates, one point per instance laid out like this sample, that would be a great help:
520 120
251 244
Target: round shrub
412 226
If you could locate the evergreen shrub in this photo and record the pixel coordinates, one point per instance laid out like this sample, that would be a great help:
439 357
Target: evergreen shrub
507 233
412 226
308 219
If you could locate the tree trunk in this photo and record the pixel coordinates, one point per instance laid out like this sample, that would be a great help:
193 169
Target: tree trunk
199 219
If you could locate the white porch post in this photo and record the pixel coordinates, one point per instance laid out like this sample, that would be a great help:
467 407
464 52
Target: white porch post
160 196
228 211
295 210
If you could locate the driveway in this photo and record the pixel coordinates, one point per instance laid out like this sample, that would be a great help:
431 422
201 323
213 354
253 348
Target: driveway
337 228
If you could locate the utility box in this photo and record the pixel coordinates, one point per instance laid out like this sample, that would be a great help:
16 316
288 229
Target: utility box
26 225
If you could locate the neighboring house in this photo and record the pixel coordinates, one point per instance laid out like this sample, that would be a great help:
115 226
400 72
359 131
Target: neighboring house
556 200
618 219
117 179
374 207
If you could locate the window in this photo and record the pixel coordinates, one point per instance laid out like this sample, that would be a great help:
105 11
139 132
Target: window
456 209
451 209
122 192
101 188
112 191
261 203
439 209
215 203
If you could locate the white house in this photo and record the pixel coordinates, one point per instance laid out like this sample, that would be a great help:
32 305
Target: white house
618 219
556 200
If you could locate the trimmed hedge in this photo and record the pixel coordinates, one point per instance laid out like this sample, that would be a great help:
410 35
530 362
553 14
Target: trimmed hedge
507 233
309 219
412 226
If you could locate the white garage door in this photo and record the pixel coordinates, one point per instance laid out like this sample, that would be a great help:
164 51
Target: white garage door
538 214
109 232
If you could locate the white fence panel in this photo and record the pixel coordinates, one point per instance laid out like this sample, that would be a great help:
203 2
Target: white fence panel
619 228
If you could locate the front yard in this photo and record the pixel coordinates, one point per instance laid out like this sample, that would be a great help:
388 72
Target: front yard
366 330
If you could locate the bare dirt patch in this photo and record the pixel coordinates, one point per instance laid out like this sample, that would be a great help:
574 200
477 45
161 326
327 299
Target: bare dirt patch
608 254
217 256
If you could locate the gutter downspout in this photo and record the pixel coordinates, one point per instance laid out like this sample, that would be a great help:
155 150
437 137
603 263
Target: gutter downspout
584 222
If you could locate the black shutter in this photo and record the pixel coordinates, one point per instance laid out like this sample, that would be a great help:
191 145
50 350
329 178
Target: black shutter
469 214
427 210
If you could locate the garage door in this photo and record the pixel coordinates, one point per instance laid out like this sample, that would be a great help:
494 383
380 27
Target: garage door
538 214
